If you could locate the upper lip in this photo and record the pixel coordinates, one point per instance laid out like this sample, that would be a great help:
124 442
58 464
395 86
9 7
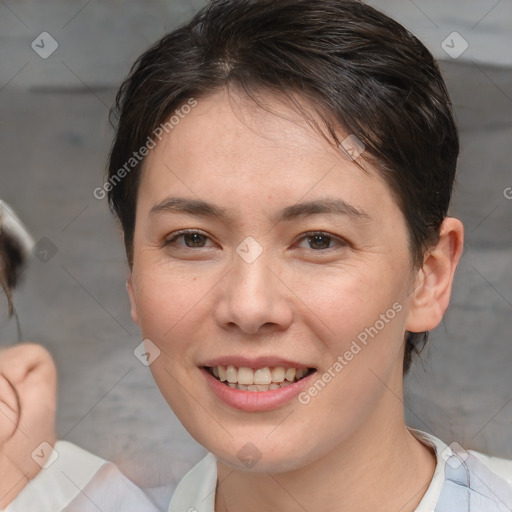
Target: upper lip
257 362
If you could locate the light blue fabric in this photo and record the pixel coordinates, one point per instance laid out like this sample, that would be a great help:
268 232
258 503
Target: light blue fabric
470 486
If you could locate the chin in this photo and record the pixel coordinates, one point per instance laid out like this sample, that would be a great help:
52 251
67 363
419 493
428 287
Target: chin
256 461
259 454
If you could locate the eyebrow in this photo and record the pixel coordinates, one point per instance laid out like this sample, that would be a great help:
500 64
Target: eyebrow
204 209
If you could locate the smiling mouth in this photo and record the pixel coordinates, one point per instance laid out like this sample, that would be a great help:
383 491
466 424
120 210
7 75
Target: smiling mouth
258 379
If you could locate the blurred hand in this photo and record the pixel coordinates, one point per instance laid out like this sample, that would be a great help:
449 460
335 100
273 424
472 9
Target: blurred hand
28 384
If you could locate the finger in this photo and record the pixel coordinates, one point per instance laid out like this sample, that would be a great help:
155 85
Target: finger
9 409
20 360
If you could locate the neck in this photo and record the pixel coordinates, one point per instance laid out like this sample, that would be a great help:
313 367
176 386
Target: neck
380 467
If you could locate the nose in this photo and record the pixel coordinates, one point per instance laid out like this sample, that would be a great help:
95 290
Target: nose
253 298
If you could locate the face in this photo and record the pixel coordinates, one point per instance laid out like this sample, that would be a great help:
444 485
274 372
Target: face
262 253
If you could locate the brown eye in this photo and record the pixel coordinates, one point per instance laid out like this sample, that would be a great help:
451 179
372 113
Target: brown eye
191 239
319 241
194 240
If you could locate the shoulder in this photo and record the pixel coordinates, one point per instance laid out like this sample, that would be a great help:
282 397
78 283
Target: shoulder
196 490
110 491
67 470
74 479
501 467
475 482
467 480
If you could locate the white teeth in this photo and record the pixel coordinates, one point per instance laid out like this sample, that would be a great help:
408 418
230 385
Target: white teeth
278 374
261 379
245 376
290 374
223 376
232 374
262 376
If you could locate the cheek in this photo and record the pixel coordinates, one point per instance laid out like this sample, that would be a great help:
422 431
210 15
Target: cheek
364 312
163 297
354 303
168 305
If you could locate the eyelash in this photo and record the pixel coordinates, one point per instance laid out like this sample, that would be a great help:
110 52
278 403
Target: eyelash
305 236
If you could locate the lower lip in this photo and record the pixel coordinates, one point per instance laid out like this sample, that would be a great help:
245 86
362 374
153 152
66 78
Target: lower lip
255 401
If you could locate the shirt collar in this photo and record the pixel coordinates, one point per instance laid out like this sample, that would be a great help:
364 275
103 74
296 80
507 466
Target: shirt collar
196 490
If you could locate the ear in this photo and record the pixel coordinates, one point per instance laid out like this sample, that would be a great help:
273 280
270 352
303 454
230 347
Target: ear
433 283
131 294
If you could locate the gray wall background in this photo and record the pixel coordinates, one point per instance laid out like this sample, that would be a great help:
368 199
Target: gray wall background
54 142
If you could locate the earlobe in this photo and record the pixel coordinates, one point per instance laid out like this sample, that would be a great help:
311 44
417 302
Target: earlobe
131 295
433 283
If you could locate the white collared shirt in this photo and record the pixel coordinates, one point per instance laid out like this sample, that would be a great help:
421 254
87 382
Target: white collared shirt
79 481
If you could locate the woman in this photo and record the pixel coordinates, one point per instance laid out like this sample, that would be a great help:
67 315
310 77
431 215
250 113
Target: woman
282 173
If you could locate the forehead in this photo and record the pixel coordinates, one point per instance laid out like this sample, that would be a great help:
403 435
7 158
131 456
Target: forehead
232 126
231 147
